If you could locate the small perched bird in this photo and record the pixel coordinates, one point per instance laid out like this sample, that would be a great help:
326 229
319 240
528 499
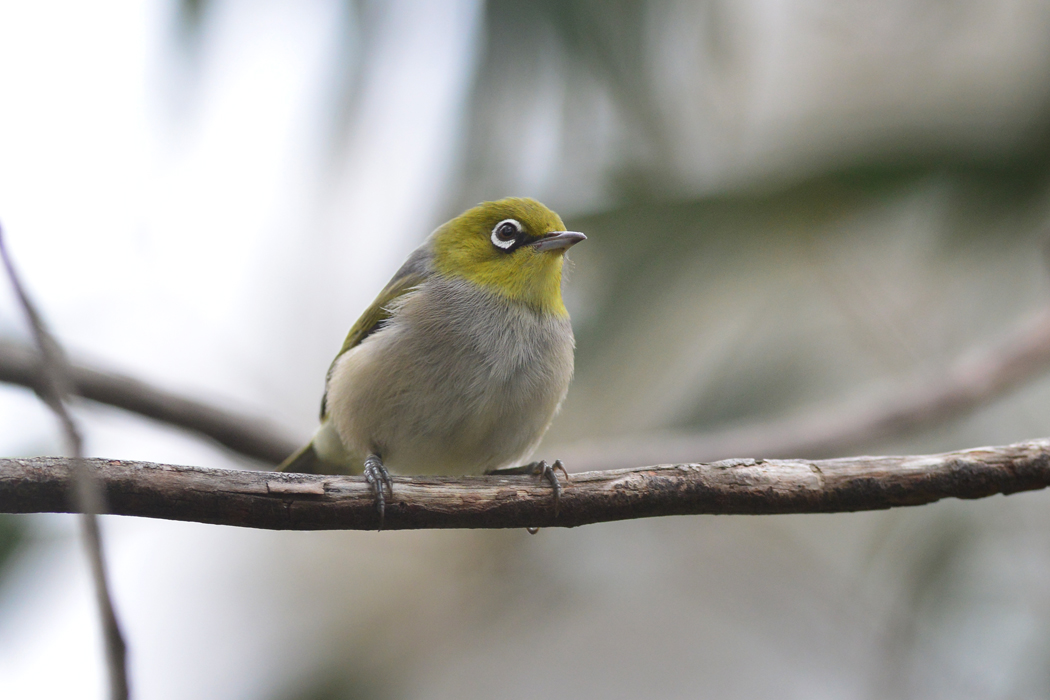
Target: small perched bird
461 362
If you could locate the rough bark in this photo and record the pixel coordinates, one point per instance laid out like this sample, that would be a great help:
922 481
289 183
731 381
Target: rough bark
740 486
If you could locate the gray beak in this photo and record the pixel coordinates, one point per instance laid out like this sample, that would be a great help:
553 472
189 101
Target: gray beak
558 240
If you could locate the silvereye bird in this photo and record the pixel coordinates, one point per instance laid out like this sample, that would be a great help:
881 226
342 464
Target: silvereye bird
461 362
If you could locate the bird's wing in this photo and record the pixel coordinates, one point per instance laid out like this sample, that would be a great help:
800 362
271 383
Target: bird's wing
412 274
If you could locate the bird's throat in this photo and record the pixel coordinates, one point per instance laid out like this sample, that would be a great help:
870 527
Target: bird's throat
534 282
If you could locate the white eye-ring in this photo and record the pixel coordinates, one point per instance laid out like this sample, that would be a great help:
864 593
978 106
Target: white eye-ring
505 233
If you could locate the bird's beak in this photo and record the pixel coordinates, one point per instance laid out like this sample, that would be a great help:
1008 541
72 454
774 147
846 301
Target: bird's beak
558 240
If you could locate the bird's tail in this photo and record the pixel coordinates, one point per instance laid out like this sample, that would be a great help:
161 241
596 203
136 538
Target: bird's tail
324 454
305 460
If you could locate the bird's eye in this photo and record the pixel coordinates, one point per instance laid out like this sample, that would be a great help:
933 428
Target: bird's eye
505 233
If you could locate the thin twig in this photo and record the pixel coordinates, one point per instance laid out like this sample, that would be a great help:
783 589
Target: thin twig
53 387
743 486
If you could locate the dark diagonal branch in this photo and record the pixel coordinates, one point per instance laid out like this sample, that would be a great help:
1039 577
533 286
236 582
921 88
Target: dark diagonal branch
246 435
745 486
54 387
925 400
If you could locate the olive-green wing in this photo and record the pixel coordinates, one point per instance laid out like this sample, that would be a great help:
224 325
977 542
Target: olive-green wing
412 274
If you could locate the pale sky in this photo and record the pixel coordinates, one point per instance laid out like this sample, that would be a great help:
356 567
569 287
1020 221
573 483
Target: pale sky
151 204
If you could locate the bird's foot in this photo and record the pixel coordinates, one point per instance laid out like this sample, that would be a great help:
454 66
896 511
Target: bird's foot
541 468
377 476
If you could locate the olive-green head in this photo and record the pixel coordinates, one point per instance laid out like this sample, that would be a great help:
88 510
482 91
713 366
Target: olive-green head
514 247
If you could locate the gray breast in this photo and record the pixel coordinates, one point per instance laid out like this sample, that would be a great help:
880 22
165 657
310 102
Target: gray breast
469 388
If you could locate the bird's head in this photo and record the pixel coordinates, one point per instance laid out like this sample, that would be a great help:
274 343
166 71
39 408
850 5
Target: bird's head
514 247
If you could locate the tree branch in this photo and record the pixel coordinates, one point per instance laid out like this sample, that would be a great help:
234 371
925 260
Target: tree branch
743 486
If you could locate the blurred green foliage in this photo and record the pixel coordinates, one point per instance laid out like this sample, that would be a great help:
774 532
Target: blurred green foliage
12 534
341 685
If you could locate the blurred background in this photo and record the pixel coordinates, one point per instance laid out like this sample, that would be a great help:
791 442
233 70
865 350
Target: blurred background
788 204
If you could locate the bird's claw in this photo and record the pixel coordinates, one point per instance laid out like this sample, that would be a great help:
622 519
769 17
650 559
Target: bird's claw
377 476
547 471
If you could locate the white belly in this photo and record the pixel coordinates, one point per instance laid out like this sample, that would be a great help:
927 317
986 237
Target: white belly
469 389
